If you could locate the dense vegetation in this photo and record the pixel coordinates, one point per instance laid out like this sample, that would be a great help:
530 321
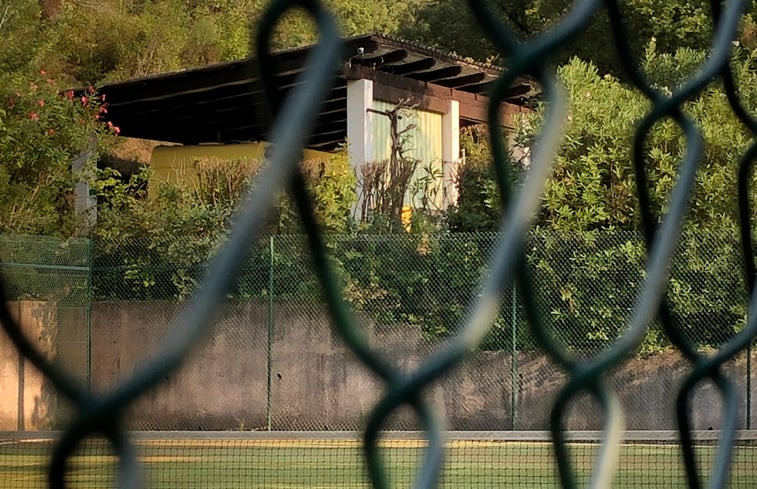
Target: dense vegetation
49 46
82 43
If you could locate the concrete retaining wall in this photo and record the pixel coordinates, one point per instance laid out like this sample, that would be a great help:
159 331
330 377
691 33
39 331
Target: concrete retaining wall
316 383
27 400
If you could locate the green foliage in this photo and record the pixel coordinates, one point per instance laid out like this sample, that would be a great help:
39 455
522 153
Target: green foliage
479 206
20 20
592 185
674 24
585 283
589 282
181 225
45 281
355 17
586 276
332 186
165 267
92 42
434 27
41 133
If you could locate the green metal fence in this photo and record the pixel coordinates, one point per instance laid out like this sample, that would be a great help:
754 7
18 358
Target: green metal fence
110 301
588 364
274 365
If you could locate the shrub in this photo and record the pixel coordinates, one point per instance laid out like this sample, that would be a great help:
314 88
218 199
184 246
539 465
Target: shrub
42 132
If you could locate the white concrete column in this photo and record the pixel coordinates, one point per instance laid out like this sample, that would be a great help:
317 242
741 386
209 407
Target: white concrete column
450 152
359 131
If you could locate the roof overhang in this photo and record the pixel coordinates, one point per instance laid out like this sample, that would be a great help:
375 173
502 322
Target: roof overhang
222 103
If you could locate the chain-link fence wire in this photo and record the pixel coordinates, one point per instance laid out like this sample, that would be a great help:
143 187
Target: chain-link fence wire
101 413
48 290
411 292
275 364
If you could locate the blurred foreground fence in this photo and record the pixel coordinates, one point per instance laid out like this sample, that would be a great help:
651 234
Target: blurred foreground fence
274 362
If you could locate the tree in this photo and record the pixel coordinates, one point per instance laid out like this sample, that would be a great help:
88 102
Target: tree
449 25
41 133
592 184
354 17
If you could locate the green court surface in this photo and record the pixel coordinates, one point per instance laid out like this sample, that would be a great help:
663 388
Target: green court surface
292 464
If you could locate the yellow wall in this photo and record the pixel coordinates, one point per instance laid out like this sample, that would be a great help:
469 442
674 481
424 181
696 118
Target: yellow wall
176 163
424 143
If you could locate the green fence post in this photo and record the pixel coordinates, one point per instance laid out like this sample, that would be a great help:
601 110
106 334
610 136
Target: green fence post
513 362
749 386
270 336
88 311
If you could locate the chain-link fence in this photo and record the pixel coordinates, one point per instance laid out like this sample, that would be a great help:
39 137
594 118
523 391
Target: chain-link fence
274 362
274 365
49 290
560 315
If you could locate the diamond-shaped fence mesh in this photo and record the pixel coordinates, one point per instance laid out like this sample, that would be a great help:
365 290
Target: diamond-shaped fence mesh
274 390
317 336
49 291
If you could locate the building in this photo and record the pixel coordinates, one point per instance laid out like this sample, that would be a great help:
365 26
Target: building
215 110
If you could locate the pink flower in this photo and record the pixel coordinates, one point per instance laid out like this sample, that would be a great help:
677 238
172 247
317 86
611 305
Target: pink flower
50 81
110 125
42 72
41 103
103 110
102 97
70 95
117 130
50 132
91 89
84 100
33 116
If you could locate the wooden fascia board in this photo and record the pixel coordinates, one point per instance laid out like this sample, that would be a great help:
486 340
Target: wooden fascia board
431 97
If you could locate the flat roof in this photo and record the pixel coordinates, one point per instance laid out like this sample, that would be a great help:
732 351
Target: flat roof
221 103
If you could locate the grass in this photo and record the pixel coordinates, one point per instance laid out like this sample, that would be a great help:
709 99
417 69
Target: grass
187 464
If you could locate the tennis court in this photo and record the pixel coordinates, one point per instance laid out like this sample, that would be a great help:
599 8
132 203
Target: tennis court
334 460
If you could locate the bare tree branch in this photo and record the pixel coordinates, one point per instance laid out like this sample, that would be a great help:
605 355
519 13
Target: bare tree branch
4 17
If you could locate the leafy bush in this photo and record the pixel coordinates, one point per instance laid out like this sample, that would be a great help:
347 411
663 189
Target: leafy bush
593 184
585 283
157 247
479 206
42 132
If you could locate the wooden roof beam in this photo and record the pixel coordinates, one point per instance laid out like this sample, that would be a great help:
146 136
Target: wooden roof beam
411 67
180 106
462 80
327 138
439 74
519 91
477 87
432 97
381 59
